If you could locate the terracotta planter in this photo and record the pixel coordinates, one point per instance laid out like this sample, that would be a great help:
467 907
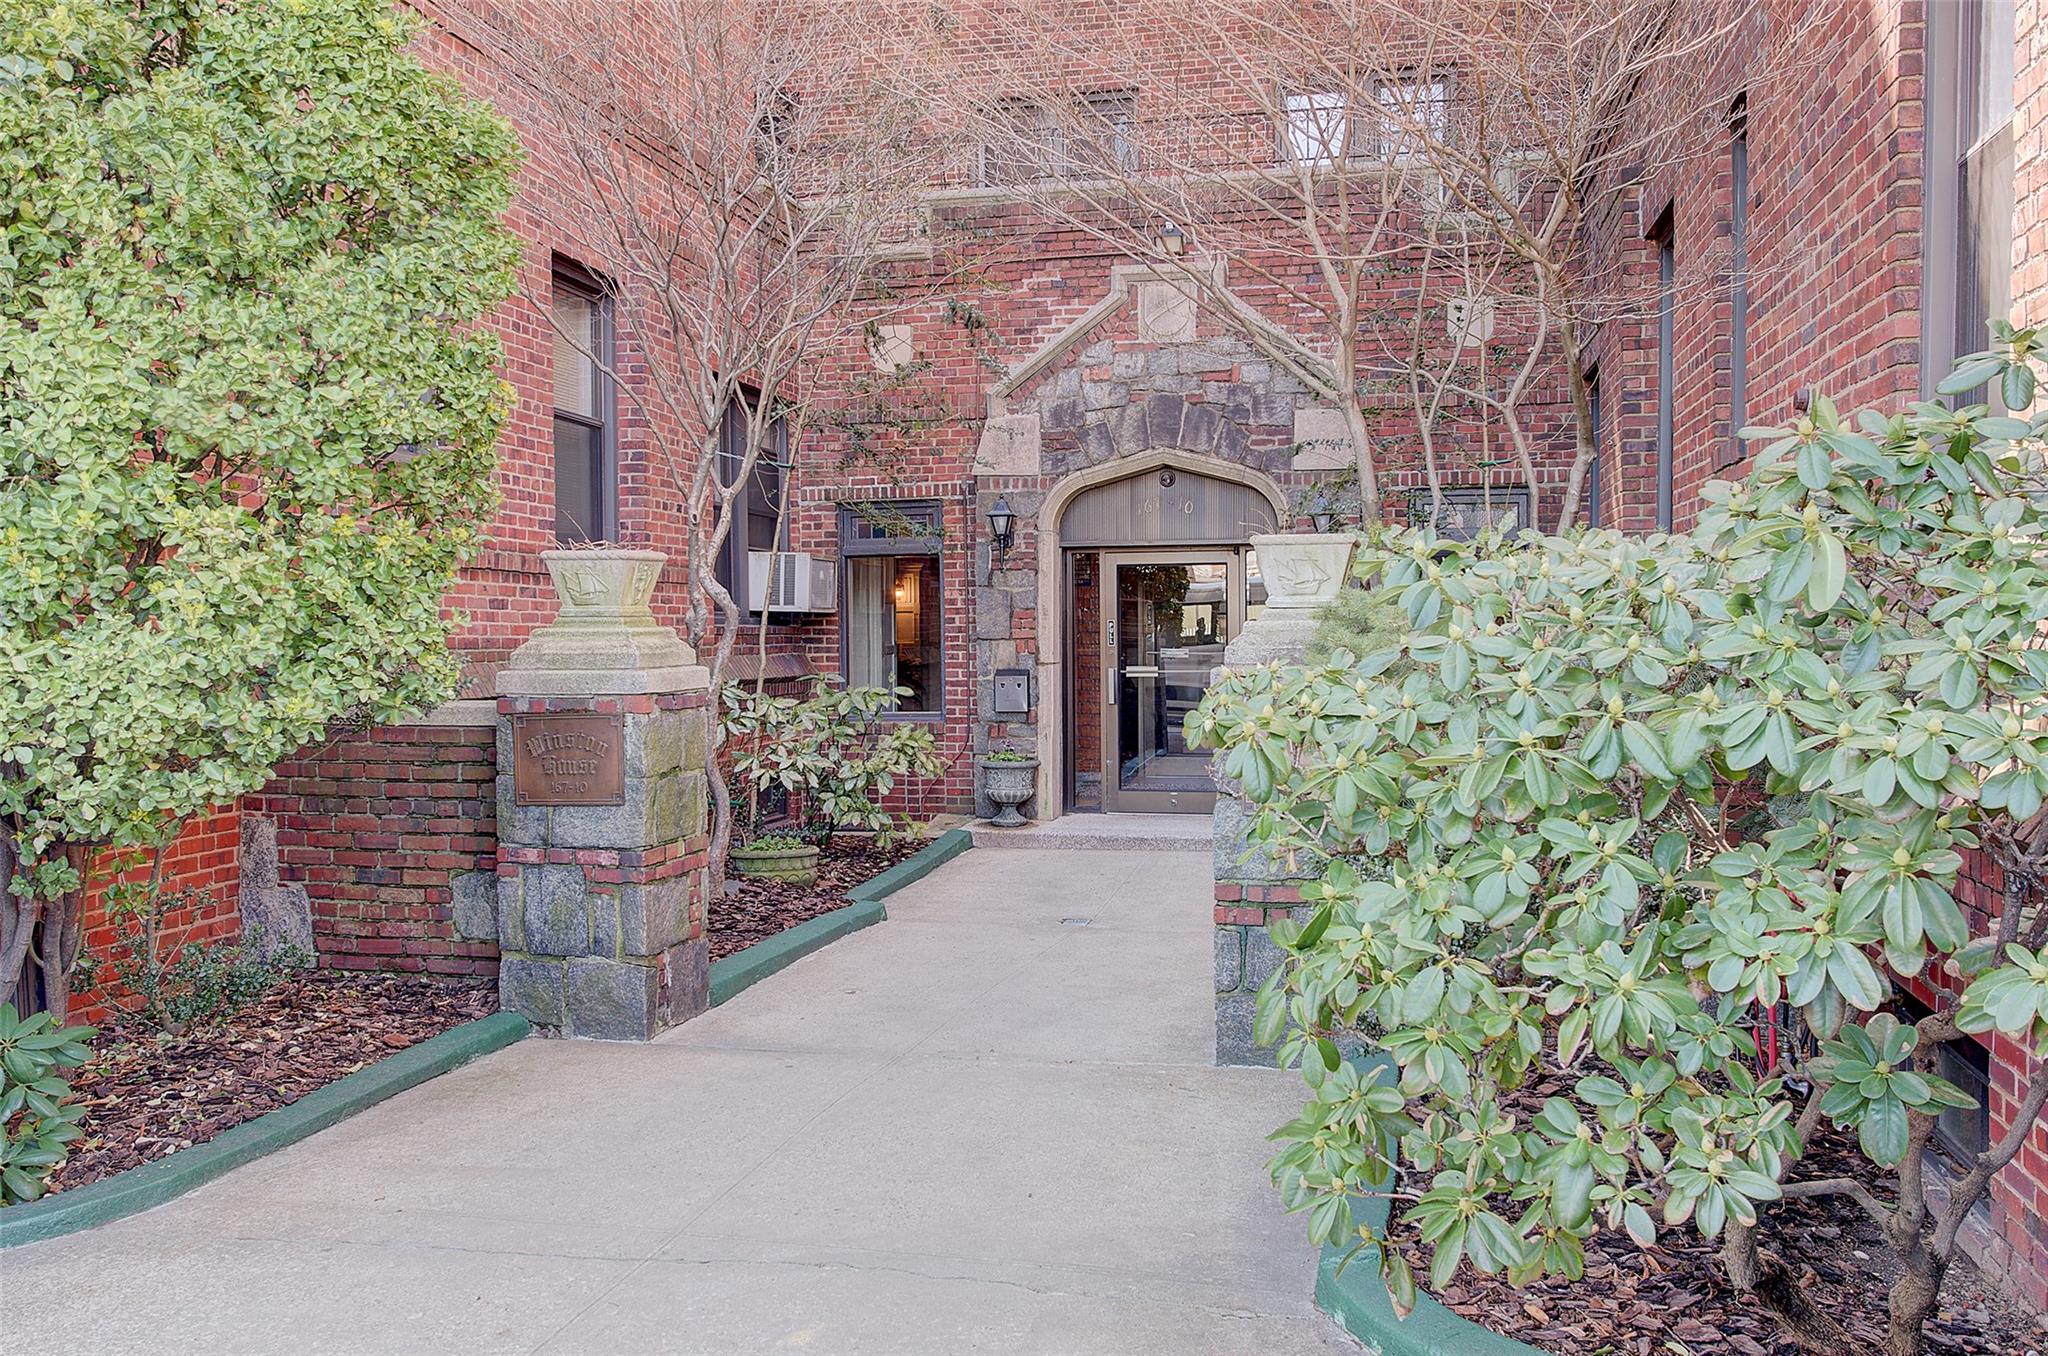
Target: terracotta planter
1303 570
798 864
1009 784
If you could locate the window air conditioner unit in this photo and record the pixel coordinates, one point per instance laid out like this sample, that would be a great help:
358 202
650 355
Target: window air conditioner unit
791 581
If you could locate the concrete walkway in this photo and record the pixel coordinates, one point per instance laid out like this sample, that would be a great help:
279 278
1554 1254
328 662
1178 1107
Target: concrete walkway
988 1125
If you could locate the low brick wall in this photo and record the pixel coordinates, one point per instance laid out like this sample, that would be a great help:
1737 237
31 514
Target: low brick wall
202 858
394 834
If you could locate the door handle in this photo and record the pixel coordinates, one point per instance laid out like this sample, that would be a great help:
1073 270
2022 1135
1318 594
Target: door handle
1141 670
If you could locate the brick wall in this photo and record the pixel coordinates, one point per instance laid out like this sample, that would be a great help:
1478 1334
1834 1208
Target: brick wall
201 859
393 832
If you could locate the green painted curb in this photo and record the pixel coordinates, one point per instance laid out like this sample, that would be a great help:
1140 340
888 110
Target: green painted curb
744 969
1358 1298
916 867
152 1184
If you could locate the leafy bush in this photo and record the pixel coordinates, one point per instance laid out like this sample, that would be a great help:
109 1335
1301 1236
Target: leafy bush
1548 771
1008 756
831 749
250 411
1360 620
775 842
35 1124
193 984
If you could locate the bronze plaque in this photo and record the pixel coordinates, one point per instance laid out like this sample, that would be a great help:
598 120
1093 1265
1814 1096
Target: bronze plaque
566 758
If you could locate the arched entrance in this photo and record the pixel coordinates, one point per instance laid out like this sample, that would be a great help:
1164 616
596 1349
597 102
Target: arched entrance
1146 575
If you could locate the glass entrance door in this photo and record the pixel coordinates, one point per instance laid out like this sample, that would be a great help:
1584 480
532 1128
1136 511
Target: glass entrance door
1167 620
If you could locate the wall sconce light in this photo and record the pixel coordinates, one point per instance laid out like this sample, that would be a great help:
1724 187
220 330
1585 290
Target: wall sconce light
1002 525
1172 239
1321 514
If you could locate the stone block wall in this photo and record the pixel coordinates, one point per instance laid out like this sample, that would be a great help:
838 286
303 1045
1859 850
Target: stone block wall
393 834
601 908
1252 890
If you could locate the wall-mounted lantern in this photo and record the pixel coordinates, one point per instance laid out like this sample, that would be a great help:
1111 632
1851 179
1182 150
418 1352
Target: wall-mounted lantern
1172 239
1322 515
1002 525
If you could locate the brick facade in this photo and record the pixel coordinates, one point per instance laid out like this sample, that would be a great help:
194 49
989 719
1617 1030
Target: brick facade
393 832
384 829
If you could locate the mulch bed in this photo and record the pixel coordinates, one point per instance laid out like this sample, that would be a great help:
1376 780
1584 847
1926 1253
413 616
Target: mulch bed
147 1096
1672 1300
756 910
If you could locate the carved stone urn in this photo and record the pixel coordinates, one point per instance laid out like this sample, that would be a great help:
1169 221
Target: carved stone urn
1303 570
1009 783
605 633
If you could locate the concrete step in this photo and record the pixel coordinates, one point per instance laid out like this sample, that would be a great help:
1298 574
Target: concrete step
1106 833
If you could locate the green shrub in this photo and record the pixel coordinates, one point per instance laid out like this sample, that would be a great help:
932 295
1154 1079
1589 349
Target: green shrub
35 1124
776 842
1844 657
831 749
250 408
173 989
1361 620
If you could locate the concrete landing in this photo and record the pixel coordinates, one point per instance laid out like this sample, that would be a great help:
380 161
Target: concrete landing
1103 833
988 1125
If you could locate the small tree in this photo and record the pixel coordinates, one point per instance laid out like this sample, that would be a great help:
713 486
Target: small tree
1396 194
1611 802
754 186
248 412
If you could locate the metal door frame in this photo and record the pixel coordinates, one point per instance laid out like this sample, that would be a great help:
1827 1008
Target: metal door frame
1115 799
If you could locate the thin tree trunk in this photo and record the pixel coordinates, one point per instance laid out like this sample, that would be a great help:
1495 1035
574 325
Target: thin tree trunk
1755 1272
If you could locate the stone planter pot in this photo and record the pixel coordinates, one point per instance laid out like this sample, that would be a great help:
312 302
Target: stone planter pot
604 640
798 864
1009 785
1303 570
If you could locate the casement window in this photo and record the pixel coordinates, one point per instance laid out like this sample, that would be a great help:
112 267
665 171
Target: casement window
1413 112
1968 219
1315 126
758 508
586 449
1738 283
1319 127
1088 134
1467 510
889 560
1667 286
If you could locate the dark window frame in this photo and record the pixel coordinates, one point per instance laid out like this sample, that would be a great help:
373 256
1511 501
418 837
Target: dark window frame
1738 281
1593 510
730 569
567 275
1952 36
853 546
1663 237
1497 499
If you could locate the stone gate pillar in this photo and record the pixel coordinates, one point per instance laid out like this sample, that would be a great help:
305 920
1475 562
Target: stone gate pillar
1302 571
603 848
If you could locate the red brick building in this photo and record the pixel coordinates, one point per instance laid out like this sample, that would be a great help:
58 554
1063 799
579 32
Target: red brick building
1848 225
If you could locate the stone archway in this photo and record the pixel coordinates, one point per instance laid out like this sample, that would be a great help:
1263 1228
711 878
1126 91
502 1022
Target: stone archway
1054 746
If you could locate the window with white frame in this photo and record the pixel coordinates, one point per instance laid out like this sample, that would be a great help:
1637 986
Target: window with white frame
1413 113
1315 126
